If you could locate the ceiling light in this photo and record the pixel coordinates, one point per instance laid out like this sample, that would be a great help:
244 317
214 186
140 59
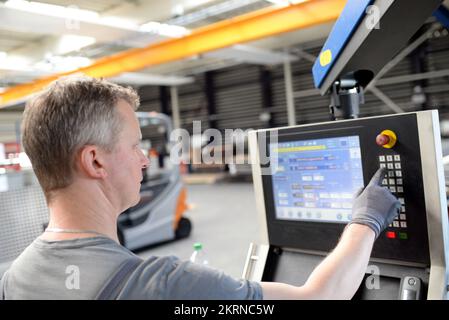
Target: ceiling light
70 12
163 29
284 3
3 55
13 62
279 2
70 42
119 23
151 79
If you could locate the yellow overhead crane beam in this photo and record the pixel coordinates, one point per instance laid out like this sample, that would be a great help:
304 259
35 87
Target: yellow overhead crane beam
256 25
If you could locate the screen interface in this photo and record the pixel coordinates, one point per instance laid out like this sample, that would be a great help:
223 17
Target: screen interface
314 180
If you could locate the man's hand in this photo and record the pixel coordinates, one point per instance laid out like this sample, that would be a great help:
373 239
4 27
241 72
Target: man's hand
375 206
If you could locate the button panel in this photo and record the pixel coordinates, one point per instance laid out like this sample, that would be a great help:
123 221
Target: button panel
394 182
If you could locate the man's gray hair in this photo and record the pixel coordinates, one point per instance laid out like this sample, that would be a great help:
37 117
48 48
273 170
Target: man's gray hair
70 113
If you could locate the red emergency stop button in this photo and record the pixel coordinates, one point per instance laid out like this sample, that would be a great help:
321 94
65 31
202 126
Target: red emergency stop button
391 235
386 139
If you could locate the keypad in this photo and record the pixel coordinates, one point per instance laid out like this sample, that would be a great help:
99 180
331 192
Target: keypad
394 182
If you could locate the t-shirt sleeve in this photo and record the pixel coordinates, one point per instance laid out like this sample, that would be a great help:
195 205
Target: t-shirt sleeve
3 286
171 278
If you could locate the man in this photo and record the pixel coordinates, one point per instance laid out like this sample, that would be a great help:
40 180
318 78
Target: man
82 137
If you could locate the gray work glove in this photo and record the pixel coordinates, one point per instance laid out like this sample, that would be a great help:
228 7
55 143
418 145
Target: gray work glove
375 206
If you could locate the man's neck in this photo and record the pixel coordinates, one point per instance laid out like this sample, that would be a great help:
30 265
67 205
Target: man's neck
84 208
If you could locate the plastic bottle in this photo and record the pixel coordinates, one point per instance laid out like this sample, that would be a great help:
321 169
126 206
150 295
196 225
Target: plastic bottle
198 255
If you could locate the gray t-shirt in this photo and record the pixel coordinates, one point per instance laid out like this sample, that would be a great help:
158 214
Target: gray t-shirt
79 268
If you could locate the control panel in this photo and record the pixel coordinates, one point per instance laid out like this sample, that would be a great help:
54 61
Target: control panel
305 178
315 171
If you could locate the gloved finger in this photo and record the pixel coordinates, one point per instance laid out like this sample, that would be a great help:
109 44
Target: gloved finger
394 212
398 205
358 192
376 180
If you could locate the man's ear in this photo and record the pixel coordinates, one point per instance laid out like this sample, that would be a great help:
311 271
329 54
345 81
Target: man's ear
91 162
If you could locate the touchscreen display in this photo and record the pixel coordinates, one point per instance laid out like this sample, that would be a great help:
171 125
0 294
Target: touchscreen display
314 180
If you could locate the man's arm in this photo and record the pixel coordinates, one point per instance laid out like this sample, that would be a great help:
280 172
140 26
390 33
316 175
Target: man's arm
336 277
339 275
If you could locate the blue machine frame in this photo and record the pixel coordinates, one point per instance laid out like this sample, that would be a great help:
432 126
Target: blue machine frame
347 23
442 14
367 35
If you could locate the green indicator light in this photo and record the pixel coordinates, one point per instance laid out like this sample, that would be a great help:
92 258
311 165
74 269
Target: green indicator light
403 236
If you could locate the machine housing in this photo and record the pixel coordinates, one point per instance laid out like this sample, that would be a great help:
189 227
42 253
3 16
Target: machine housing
301 226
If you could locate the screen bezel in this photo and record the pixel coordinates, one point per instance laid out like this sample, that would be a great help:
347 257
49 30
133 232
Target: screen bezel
323 237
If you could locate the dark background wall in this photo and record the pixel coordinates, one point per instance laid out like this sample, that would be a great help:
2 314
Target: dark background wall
235 97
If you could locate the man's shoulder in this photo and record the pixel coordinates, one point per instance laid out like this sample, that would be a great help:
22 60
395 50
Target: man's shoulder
44 255
46 266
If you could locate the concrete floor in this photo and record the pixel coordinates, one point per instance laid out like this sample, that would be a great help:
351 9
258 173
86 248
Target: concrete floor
224 219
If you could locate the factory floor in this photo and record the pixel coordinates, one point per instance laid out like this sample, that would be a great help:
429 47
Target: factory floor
224 220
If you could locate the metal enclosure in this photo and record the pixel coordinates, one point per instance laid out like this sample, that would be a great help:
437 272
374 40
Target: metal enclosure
414 246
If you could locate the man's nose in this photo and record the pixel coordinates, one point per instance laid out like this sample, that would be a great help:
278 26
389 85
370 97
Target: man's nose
145 161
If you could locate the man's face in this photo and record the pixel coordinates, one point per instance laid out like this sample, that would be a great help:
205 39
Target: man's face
126 160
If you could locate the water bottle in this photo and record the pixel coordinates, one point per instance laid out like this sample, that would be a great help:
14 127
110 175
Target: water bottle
198 255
